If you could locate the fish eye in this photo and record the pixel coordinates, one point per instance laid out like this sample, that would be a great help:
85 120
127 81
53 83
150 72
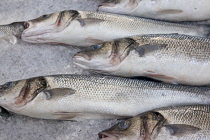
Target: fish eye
123 125
45 16
96 47
8 84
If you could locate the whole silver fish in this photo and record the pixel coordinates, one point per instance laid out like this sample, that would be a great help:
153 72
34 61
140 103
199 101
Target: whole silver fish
169 58
171 123
169 10
82 28
11 31
79 97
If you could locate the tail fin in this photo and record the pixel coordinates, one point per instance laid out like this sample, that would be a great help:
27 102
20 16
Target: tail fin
9 38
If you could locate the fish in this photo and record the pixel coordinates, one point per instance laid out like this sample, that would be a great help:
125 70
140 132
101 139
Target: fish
190 122
83 97
175 11
170 58
84 28
11 32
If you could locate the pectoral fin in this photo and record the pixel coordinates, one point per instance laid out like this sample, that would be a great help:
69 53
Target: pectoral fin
181 129
58 92
89 21
169 11
148 48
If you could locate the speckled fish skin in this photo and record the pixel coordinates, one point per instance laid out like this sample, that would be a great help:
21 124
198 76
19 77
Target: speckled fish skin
170 123
175 59
11 31
196 115
168 10
79 97
83 28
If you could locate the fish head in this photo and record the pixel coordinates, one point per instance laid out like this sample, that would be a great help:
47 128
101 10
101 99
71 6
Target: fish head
137 128
107 56
118 6
19 93
47 27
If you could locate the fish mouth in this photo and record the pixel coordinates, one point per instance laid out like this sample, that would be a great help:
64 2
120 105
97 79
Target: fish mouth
107 136
82 60
30 90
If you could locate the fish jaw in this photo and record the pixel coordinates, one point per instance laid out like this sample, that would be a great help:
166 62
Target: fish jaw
47 27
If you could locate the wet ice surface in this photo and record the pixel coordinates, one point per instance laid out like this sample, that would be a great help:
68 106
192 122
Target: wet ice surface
26 60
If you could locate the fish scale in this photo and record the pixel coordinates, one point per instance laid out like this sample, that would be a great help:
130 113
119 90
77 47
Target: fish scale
192 115
192 47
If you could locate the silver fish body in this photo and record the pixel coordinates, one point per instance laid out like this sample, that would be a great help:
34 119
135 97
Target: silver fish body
11 31
74 97
174 123
175 10
83 28
176 59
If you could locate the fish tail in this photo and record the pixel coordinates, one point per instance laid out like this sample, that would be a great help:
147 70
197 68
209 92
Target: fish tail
11 32
9 38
